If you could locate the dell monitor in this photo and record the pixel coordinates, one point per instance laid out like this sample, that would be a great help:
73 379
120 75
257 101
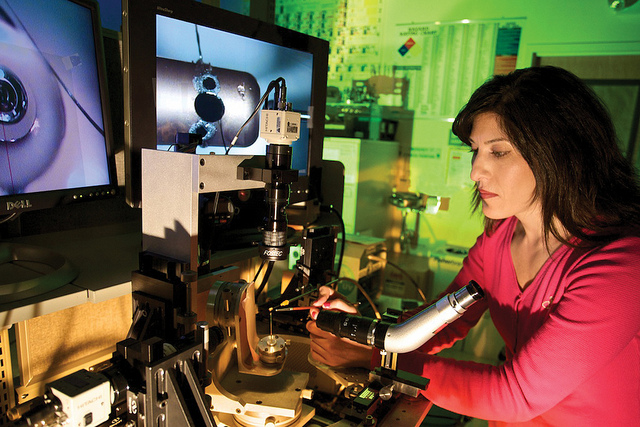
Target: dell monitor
55 131
55 135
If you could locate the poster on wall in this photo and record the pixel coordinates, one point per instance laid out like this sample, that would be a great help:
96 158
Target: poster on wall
447 61
507 45
412 40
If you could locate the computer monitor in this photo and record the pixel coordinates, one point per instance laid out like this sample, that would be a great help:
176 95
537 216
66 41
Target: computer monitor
55 131
191 68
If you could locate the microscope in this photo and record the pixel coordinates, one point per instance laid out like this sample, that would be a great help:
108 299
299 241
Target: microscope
392 394
192 336
193 356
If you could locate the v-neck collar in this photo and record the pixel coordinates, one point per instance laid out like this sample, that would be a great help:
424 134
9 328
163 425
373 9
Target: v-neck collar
539 273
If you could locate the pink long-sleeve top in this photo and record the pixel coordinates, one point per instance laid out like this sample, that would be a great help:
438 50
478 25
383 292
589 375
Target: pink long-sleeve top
572 339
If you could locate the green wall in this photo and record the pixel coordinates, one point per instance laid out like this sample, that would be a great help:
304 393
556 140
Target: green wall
575 27
549 28
449 59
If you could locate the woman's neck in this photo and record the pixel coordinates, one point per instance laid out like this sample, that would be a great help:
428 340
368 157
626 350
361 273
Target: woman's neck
531 230
531 247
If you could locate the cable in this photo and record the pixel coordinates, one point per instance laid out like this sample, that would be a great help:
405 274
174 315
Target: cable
365 294
403 271
265 279
224 143
344 238
255 111
57 76
198 43
273 84
9 217
411 279
264 261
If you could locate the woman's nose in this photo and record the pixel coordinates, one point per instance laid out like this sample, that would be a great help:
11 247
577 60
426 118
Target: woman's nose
478 167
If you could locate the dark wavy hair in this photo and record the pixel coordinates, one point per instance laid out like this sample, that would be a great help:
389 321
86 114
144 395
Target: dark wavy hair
565 134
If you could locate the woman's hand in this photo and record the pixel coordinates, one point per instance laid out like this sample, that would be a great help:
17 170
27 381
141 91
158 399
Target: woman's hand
329 299
326 347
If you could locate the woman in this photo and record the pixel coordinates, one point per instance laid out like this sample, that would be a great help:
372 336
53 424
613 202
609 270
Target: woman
559 261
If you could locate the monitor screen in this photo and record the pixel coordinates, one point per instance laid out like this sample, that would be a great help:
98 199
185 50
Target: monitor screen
189 56
192 68
55 143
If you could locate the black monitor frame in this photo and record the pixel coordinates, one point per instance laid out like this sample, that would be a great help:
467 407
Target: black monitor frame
17 203
139 65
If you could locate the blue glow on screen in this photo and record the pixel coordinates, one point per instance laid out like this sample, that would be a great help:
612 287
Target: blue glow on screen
177 40
55 139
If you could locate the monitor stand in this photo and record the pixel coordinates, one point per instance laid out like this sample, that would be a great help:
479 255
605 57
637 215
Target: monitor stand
27 271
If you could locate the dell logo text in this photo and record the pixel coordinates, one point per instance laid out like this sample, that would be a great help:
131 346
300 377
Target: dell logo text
20 204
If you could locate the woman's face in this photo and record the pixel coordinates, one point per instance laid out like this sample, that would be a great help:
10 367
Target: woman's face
503 178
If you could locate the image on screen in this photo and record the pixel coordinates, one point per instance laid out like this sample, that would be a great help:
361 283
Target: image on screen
52 133
208 82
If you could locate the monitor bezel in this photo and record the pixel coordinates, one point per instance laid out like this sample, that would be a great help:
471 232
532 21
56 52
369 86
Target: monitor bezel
139 65
26 202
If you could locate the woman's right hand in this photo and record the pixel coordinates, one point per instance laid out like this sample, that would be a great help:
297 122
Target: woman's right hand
326 347
329 299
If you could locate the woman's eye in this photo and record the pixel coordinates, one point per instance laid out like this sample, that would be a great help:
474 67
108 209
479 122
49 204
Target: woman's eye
499 153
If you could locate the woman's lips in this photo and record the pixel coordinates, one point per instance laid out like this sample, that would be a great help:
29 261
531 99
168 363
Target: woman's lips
487 194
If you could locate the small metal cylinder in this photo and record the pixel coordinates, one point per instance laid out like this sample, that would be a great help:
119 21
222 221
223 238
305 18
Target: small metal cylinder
272 350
